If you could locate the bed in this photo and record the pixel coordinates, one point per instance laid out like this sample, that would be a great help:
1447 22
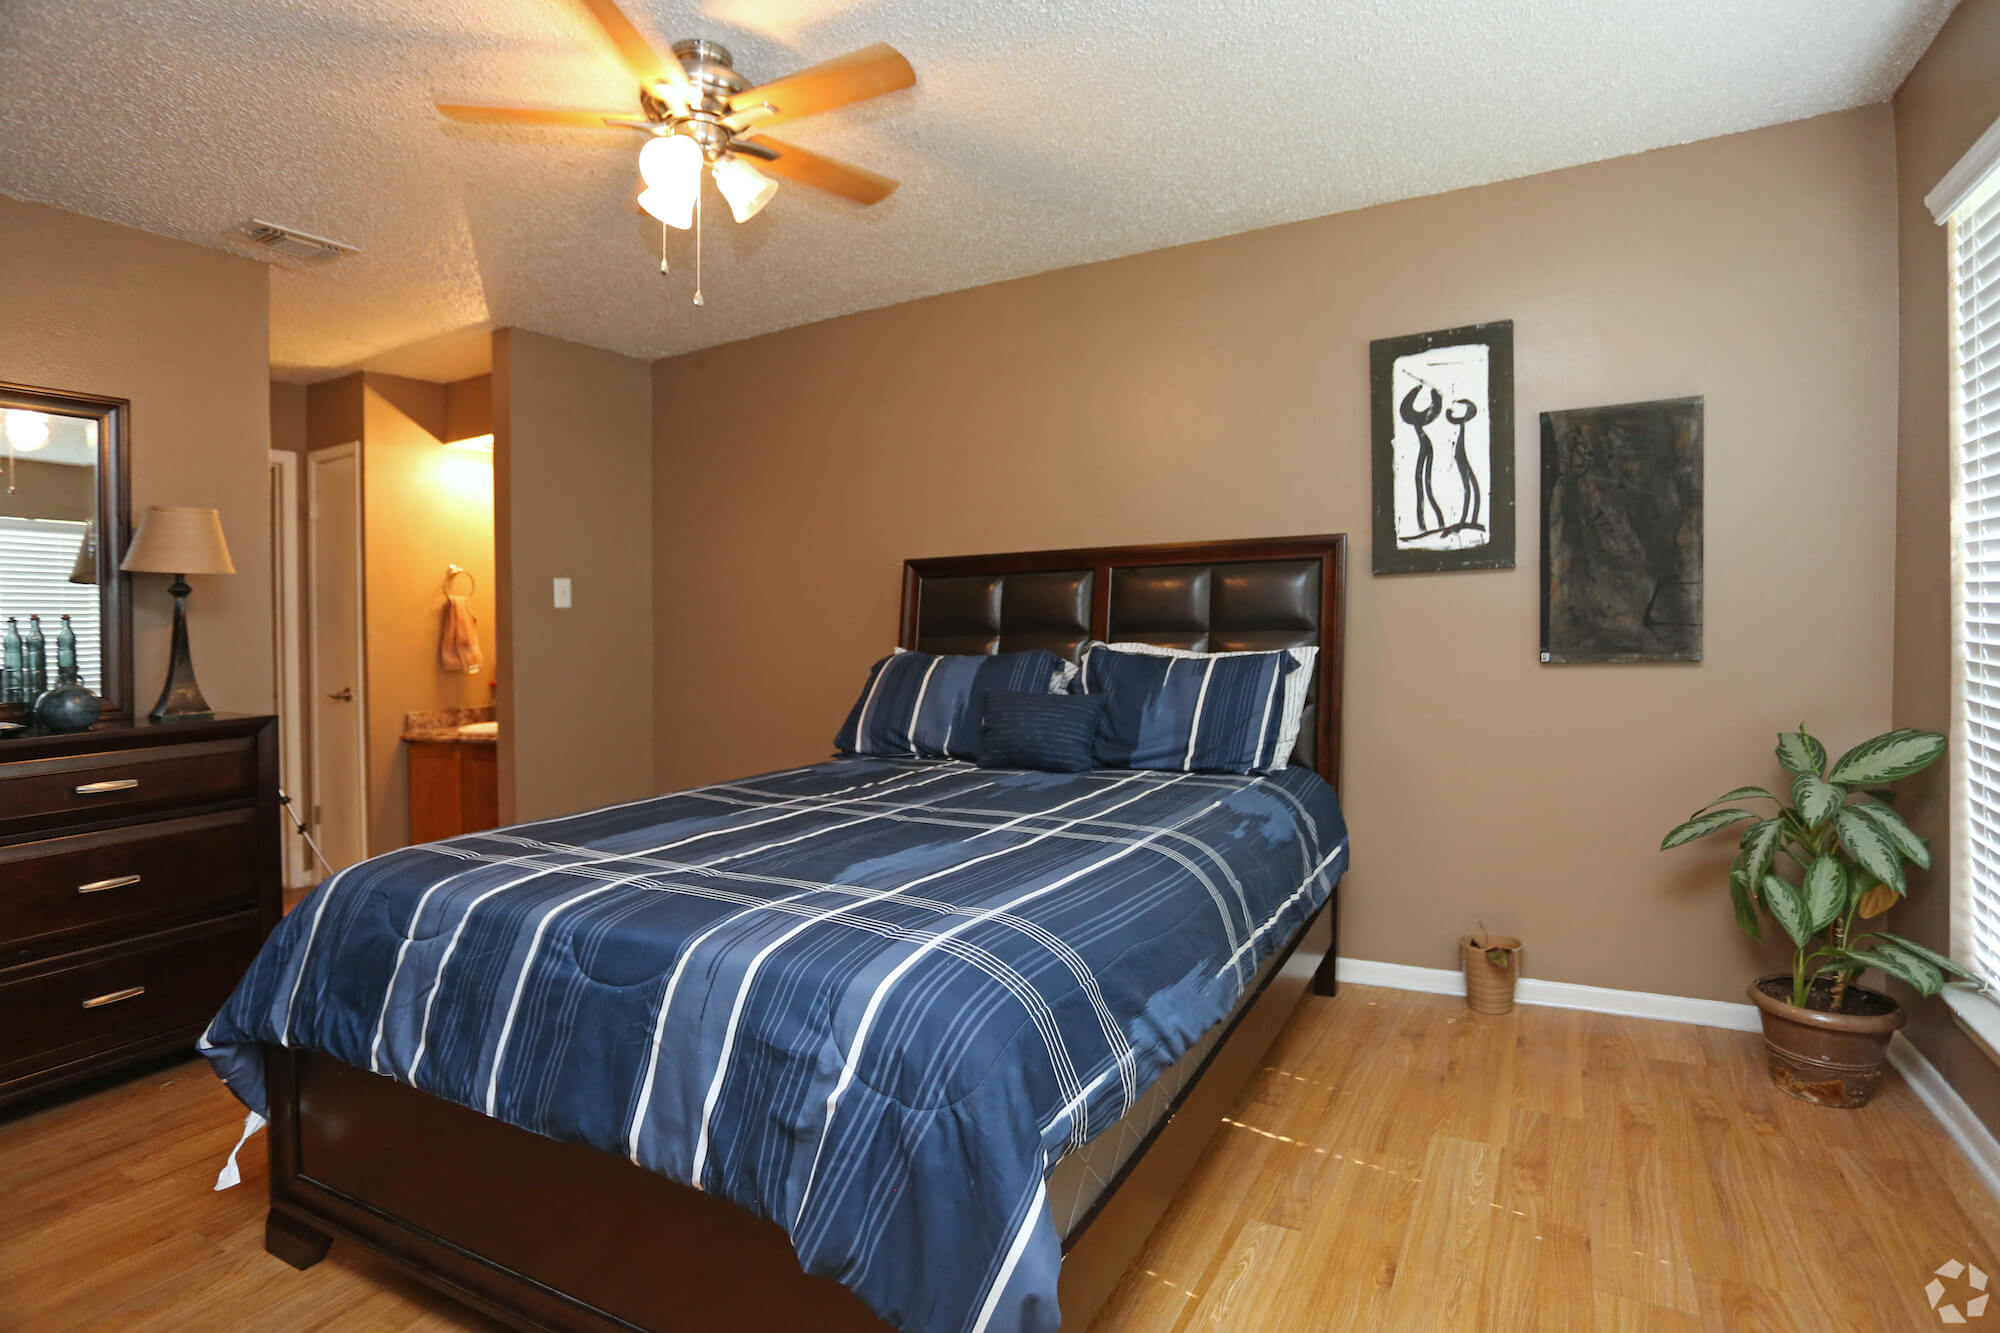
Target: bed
538 1177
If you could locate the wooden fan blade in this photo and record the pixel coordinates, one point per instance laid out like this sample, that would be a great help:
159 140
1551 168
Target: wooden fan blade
823 173
646 64
854 77
530 115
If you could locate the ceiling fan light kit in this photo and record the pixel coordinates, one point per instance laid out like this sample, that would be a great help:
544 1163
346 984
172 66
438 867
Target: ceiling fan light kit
697 111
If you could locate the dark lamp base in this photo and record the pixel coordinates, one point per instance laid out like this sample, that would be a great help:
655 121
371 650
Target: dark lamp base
180 698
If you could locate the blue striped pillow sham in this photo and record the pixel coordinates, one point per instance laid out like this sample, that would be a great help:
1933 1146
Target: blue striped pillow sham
1297 685
930 706
1052 733
1214 714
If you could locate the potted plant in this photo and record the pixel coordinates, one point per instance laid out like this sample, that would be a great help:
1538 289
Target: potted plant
1821 865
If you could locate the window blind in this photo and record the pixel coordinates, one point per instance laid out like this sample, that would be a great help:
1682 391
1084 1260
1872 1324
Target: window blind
1975 247
37 556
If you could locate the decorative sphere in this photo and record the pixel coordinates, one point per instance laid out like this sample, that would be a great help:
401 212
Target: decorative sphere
68 707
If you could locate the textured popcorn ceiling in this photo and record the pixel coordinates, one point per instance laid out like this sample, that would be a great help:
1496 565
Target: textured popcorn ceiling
1041 133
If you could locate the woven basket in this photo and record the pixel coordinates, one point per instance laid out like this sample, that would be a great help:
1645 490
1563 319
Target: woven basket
1489 989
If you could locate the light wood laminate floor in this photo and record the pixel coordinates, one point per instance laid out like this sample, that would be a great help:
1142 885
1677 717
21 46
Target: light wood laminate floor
1400 1165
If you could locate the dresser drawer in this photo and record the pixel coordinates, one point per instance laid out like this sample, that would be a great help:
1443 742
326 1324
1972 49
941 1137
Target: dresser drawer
75 788
81 1002
68 891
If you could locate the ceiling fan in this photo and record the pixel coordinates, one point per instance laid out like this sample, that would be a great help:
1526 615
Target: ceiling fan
697 110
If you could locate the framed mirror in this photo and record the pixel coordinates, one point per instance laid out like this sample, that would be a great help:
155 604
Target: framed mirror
65 520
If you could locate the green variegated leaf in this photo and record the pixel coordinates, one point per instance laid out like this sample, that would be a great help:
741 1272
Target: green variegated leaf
1825 895
1884 940
1870 846
1760 847
1892 755
1789 907
1703 825
1745 903
1800 753
1816 799
1740 794
1901 834
1905 967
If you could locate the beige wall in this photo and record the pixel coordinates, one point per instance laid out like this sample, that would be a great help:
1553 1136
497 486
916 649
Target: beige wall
423 507
49 490
182 332
1221 390
573 483
1946 104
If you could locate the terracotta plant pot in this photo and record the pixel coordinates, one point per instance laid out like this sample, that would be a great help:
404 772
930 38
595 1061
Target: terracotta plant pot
1826 1058
1489 989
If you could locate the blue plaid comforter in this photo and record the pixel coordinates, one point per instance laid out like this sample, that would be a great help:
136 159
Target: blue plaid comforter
871 1000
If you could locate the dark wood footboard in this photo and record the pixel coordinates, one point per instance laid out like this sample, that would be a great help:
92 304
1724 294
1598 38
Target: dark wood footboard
549 1235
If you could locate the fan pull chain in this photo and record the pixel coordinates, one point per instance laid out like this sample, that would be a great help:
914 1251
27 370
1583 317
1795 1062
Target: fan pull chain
697 248
663 249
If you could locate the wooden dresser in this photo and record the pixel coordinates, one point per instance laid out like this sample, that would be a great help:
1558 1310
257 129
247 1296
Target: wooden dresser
139 872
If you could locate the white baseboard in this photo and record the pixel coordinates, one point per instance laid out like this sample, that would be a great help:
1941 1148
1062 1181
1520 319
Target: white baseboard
1558 994
1966 1129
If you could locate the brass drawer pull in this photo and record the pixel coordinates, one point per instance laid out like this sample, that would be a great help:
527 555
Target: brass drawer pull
129 993
100 885
114 784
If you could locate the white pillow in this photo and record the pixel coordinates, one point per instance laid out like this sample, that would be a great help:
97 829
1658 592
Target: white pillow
1295 686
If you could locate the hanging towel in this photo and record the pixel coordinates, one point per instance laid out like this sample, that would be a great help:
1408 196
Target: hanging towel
458 650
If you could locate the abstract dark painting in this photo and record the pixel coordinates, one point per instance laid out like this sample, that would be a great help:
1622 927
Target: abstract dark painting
1621 533
1443 408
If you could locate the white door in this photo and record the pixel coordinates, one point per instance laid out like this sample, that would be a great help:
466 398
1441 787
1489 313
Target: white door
286 667
338 708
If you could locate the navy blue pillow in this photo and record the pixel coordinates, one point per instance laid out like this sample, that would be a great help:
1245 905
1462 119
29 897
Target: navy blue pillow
1056 733
930 706
1188 714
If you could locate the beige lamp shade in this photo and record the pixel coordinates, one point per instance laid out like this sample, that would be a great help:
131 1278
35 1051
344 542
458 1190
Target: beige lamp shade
85 568
176 539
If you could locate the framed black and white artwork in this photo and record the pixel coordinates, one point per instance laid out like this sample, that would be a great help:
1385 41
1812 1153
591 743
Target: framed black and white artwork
1443 432
1621 533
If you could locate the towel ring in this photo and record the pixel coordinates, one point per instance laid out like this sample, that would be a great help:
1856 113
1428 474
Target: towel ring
453 571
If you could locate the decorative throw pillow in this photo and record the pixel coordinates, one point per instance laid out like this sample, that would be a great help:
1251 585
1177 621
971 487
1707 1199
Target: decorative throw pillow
1295 688
1056 733
1206 714
928 705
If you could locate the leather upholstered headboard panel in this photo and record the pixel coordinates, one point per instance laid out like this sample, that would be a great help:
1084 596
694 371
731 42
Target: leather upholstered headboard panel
1263 593
1006 613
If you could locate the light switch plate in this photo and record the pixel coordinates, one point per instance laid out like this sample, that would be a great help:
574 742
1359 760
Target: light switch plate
562 594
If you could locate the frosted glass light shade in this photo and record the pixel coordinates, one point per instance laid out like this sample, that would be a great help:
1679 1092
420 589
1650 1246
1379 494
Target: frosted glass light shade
175 539
671 167
746 188
27 431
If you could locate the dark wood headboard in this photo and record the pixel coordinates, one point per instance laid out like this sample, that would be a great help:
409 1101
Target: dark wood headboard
1262 593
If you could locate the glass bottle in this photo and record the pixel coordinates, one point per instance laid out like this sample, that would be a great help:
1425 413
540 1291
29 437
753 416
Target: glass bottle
11 657
66 670
34 662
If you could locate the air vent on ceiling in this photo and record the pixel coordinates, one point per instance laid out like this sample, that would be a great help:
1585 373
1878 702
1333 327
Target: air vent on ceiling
292 243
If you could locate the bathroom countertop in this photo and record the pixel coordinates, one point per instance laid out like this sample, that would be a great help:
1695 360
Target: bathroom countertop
442 724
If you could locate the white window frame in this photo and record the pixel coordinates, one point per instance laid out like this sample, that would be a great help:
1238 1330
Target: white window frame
1967 188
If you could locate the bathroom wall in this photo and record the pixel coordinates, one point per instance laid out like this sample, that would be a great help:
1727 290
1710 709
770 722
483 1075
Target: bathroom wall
423 507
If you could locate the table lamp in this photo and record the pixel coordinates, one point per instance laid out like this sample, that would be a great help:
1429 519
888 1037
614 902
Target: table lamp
179 540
